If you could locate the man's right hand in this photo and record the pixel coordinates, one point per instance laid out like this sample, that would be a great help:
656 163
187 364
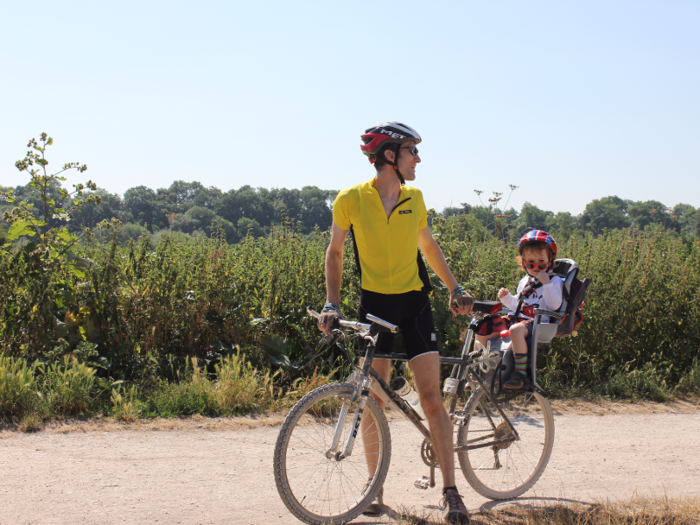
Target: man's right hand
325 321
328 314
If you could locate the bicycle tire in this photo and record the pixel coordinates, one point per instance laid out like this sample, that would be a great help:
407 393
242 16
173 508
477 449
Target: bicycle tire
508 470
319 490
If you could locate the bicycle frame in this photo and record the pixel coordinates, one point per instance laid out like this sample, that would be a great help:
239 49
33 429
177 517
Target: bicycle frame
367 379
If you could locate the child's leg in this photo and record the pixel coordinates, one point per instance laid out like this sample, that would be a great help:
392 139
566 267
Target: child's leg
490 329
518 335
484 339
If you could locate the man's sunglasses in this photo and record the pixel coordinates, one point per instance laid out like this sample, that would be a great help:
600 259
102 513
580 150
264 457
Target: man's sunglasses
538 266
413 150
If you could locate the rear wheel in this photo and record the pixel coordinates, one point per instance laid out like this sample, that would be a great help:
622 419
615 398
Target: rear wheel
315 482
510 468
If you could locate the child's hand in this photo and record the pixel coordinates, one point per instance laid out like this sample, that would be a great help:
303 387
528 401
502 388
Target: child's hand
502 293
543 277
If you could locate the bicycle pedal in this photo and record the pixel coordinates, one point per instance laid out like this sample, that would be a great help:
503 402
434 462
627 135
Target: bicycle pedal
422 483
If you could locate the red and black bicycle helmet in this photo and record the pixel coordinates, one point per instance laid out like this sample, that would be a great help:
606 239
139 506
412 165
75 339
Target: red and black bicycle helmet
538 236
379 135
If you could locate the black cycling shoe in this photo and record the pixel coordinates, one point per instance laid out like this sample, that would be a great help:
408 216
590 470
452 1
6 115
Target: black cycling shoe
516 381
456 511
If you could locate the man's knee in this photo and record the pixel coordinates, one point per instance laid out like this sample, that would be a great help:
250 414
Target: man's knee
431 402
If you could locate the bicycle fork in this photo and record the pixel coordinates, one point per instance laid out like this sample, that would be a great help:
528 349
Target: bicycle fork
333 451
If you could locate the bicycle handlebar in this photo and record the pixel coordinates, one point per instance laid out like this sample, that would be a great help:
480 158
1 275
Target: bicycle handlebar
391 327
356 325
480 308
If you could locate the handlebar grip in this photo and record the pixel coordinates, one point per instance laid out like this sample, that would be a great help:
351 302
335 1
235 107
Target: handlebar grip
381 322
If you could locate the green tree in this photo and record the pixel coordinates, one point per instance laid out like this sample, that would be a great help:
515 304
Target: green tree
531 218
181 196
645 213
246 202
196 218
562 225
219 223
455 211
686 219
608 212
90 214
251 226
142 206
315 209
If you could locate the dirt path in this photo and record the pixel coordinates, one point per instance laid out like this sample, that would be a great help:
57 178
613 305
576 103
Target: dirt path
224 476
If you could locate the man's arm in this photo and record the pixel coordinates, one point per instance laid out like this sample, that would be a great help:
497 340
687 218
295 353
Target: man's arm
334 273
433 254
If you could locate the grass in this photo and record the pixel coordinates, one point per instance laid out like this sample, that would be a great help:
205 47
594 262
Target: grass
32 395
636 511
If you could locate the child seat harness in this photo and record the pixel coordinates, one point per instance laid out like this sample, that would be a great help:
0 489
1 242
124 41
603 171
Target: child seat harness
532 285
573 293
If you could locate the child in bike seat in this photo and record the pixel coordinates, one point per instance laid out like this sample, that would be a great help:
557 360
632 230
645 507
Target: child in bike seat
538 289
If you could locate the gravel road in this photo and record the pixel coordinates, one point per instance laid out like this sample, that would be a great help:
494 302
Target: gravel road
204 472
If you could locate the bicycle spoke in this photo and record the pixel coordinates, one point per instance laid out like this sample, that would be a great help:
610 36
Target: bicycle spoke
507 468
322 489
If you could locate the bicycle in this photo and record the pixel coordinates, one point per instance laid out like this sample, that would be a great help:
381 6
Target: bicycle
504 438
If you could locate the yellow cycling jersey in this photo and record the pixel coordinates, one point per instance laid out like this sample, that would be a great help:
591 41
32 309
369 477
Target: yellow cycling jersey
387 246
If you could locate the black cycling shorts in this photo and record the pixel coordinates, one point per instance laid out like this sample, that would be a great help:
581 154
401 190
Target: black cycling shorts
411 312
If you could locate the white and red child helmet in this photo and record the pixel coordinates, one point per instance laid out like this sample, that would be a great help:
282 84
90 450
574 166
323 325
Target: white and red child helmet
538 237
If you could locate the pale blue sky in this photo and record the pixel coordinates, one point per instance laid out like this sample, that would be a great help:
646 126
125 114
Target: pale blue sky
571 101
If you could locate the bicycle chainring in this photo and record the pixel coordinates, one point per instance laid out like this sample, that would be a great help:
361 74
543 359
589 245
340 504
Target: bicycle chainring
427 454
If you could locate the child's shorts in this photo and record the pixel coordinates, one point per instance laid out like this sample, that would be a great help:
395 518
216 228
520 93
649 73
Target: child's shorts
496 323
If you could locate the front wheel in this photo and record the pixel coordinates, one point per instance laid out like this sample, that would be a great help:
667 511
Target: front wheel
509 468
315 482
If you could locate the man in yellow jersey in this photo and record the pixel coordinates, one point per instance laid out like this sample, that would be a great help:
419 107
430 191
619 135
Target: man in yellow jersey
389 223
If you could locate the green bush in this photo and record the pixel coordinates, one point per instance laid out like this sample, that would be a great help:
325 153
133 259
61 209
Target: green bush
240 388
18 387
150 307
68 387
192 394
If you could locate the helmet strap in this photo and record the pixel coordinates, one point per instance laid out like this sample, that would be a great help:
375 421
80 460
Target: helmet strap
398 174
395 165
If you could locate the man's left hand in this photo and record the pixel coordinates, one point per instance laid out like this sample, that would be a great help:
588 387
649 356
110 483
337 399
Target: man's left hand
460 301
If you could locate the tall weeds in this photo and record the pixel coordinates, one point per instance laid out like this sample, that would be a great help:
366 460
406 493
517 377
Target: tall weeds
140 314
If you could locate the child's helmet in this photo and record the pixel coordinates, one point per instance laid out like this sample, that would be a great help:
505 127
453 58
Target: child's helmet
538 236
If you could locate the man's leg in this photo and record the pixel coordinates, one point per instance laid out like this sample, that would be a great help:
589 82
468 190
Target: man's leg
426 369
383 368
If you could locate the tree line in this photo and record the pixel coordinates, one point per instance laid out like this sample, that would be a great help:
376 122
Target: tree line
600 215
192 208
